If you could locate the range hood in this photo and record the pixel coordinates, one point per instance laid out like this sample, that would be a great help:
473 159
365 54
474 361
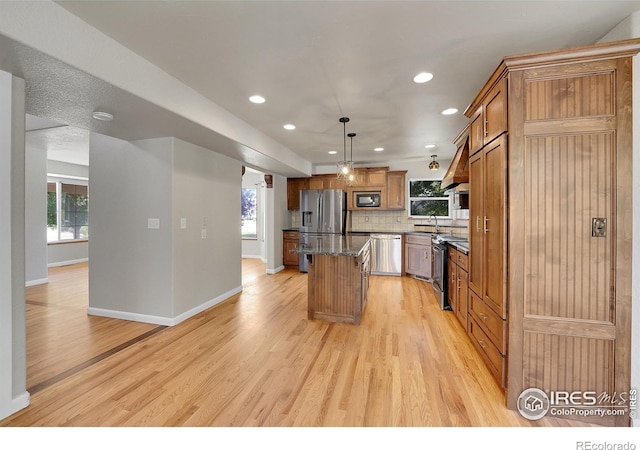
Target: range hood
458 171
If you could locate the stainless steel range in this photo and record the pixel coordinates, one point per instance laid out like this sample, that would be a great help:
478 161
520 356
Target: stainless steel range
439 269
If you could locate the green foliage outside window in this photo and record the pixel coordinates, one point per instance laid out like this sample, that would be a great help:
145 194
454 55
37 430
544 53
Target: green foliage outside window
427 198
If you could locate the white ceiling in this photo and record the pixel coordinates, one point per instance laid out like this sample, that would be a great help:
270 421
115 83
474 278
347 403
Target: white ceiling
316 61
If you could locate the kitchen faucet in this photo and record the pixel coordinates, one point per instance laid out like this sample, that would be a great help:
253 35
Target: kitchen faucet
437 227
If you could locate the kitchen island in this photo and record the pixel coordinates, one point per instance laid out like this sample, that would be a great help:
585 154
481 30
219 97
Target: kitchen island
338 277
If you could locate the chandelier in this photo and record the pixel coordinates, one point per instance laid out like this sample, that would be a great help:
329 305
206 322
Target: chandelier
351 177
345 167
434 165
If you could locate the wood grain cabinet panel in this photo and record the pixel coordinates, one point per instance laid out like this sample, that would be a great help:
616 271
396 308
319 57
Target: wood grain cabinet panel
294 186
458 285
395 184
487 237
418 256
550 139
290 241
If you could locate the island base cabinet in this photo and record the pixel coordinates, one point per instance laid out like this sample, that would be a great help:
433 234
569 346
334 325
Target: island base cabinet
338 287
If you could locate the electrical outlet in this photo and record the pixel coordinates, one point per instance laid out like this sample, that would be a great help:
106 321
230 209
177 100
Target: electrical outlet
398 219
153 224
366 218
183 223
203 233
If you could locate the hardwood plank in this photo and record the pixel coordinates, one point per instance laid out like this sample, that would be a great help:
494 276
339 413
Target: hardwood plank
256 360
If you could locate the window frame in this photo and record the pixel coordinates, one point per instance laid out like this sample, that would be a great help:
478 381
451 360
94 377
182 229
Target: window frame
249 237
410 199
59 180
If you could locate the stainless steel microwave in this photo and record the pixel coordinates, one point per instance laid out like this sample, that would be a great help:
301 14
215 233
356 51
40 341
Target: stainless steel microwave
367 199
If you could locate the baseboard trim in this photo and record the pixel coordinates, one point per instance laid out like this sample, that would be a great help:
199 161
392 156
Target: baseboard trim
15 405
134 317
159 320
276 270
67 263
198 309
36 282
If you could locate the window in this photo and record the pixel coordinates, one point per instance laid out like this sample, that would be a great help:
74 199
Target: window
249 213
426 198
67 211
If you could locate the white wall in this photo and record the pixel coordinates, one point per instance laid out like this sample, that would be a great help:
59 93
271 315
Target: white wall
168 274
206 192
35 214
65 253
277 218
130 272
13 373
630 28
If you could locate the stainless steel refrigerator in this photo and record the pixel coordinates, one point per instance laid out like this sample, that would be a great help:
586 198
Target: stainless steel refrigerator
323 213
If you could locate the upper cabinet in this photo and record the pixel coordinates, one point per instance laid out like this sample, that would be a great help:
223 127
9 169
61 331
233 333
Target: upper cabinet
489 119
390 185
294 186
458 171
395 182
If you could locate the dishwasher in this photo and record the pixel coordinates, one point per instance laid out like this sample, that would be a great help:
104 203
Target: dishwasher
386 254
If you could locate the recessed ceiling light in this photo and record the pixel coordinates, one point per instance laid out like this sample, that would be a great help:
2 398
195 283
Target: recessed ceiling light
289 126
257 99
429 145
422 77
378 149
332 152
104 116
449 111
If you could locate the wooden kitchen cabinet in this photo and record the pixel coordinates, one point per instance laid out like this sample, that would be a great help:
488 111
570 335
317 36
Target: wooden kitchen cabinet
490 118
418 256
290 240
395 183
294 186
550 139
326 182
457 284
487 237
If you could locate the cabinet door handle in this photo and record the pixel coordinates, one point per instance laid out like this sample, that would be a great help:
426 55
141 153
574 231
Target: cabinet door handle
486 229
483 316
482 343
478 223
486 131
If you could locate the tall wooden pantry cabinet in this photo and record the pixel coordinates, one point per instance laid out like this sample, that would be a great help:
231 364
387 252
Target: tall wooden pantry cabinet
551 222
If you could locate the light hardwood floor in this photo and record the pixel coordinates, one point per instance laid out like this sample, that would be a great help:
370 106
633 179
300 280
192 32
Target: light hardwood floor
255 360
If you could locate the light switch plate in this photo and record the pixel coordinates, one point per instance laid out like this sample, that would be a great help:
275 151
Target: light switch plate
183 223
203 233
153 224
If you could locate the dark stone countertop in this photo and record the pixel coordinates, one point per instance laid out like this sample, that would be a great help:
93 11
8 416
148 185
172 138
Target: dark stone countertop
334 245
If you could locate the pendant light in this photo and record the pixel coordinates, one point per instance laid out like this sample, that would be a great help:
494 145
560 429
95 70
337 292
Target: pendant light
351 177
434 165
344 166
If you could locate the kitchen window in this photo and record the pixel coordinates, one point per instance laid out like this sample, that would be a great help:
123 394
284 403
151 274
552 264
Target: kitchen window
67 211
427 198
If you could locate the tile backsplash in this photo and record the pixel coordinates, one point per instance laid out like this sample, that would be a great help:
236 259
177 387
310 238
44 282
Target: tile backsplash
398 221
